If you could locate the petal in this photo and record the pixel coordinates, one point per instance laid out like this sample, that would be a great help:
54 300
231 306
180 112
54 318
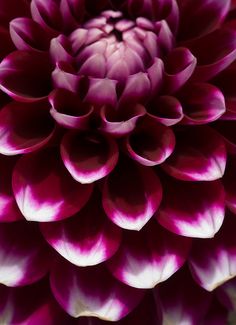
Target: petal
192 209
102 92
149 256
155 75
20 81
24 127
65 77
24 257
212 261
196 159
72 13
88 156
151 143
68 110
202 103
216 315
131 195
60 50
182 301
88 238
227 294
92 292
46 192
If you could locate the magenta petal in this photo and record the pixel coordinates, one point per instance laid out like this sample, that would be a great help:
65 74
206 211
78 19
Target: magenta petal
179 67
72 12
102 92
68 110
65 77
149 256
196 159
213 260
24 127
92 292
151 143
122 121
202 103
131 195
192 209
88 156
24 257
60 50
88 238
20 81
182 301
46 192
28 35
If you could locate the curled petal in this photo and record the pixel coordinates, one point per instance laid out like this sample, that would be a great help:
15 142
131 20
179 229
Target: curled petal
196 159
28 35
149 256
155 75
151 143
68 110
192 209
202 103
212 261
8 208
72 13
20 81
65 77
24 256
166 110
24 127
88 238
46 192
122 121
131 195
92 292
60 50
179 67
102 92
88 156
182 304
214 52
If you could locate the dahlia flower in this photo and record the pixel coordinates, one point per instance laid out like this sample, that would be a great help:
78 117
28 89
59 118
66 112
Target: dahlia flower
118 162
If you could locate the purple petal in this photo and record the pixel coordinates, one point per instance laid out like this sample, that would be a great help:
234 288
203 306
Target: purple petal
131 195
155 75
192 209
46 192
143 261
102 92
72 13
88 238
65 77
92 292
60 50
88 156
20 81
213 260
24 257
24 127
196 159
151 143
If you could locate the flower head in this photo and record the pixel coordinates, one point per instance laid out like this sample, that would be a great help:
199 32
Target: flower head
117 161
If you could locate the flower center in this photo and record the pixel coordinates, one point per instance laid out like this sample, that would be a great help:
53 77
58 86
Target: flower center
111 46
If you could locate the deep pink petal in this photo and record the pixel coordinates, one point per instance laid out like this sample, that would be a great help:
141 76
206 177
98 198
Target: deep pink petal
88 156
25 127
45 191
151 143
88 238
92 292
22 82
149 256
24 257
196 159
212 260
60 49
131 195
192 209
102 92
65 77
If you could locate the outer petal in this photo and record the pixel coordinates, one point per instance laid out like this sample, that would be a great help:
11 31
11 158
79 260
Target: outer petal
88 238
20 81
213 261
196 159
89 156
45 191
92 292
151 143
131 195
24 257
183 302
24 127
192 209
148 257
